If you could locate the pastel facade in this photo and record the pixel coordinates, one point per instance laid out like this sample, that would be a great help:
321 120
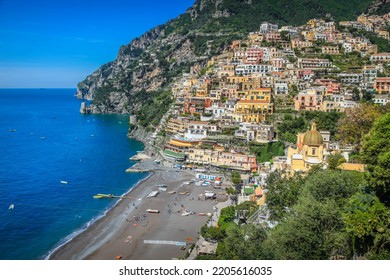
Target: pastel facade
222 158
382 85
309 99
176 126
309 151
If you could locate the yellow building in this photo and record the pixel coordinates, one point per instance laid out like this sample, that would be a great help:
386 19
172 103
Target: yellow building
256 38
202 156
219 157
176 149
254 111
310 151
236 79
176 126
384 34
254 83
311 36
263 94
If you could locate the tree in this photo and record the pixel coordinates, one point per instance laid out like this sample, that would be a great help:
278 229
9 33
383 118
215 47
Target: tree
335 185
212 233
236 178
367 223
335 160
355 123
311 232
285 36
376 153
313 226
282 194
242 243
355 94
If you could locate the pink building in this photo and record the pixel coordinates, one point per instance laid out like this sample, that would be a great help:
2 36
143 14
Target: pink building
305 74
254 55
332 86
308 100
272 36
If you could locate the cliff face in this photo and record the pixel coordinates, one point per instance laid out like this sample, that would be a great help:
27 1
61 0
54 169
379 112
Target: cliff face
147 64
151 62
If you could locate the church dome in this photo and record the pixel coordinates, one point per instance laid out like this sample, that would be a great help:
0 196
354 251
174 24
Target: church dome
313 137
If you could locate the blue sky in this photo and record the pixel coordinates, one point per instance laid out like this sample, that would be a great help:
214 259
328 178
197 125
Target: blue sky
50 43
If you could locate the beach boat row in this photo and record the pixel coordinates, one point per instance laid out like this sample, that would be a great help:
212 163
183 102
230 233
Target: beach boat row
154 211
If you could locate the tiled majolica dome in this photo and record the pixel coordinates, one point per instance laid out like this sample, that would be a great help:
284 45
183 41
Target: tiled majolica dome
313 137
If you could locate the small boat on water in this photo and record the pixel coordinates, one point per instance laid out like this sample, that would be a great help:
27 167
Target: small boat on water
100 195
64 182
154 211
12 130
11 207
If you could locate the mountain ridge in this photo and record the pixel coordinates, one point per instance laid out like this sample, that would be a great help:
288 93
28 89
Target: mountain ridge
149 63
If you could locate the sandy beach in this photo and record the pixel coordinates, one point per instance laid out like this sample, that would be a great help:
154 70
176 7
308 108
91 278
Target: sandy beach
122 231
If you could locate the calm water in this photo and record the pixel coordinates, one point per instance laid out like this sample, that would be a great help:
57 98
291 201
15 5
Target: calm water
43 141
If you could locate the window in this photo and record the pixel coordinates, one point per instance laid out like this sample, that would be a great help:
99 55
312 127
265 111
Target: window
313 151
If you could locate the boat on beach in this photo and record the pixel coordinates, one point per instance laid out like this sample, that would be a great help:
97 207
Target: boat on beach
153 194
186 212
154 211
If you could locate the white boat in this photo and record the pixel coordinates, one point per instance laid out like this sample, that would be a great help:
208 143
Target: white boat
186 212
153 194
64 182
153 211
11 207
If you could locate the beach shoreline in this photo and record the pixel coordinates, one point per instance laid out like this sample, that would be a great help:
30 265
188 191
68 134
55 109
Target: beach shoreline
122 231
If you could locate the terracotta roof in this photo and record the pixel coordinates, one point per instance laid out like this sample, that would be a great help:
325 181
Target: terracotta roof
258 191
383 79
198 122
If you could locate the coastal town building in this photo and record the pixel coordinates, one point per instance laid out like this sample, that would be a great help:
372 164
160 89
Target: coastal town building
381 99
176 126
382 85
309 151
310 99
221 108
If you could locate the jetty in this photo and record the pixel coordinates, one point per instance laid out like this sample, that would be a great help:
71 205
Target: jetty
136 170
139 156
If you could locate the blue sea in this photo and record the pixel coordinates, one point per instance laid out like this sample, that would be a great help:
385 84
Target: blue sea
45 140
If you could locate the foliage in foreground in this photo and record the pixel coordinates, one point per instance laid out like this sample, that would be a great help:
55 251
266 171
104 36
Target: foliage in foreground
330 214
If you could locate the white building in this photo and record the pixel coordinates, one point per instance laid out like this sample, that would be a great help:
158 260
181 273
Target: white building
266 27
381 99
215 110
351 78
249 69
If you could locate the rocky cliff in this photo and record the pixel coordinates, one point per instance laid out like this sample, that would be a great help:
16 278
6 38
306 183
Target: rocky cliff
151 62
